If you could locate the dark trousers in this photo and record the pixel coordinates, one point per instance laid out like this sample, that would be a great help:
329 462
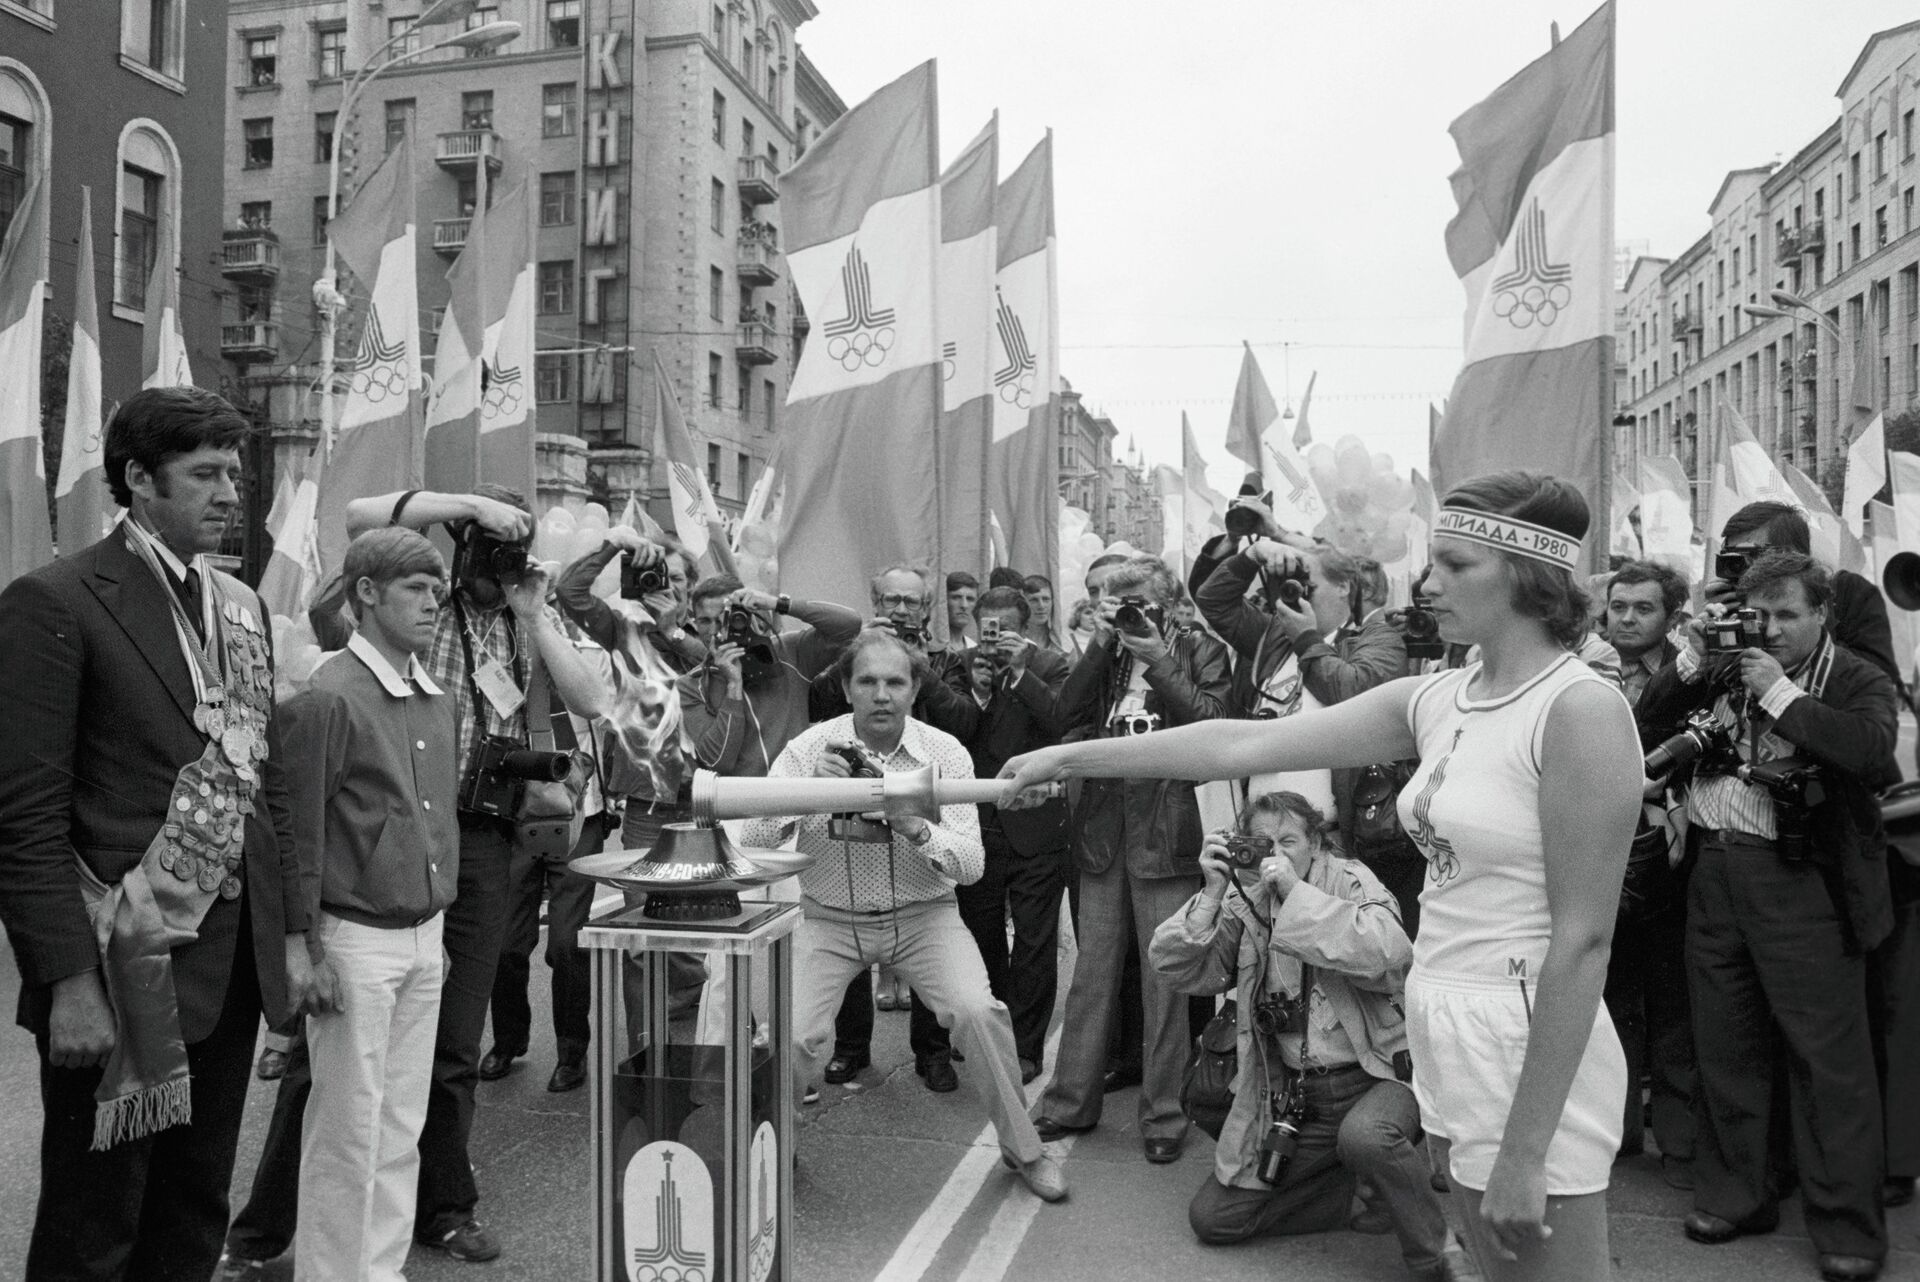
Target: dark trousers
1129 1022
1893 988
1768 967
264 1228
569 902
853 1024
1646 995
151 1209
1026 976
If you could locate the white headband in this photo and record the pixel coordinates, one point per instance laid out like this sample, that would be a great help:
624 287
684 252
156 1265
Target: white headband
1522 538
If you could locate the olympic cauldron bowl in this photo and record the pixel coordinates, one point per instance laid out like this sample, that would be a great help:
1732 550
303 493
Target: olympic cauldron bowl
692 873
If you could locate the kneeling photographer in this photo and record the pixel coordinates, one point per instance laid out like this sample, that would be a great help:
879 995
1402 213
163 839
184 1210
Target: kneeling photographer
1312 945
1787 736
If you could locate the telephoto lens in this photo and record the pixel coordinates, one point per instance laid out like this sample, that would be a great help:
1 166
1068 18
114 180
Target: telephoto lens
1277 1148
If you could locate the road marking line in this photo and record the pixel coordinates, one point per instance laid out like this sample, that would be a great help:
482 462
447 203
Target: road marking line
929 1233
1003 1237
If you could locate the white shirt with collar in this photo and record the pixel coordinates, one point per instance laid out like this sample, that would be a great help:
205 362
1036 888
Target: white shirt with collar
400 687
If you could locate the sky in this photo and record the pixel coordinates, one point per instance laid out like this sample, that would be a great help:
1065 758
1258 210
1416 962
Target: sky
1275 172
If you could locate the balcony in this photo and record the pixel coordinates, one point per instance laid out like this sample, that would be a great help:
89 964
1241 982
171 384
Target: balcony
1808 365
754 344
758 263
1813 237
461 151
450 235
250 342
250 255
759 182
1787 244
1786 372
1687 321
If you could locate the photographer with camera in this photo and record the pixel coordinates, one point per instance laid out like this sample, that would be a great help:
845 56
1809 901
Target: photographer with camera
1307 648
1781 737
658 577
1312 947
1137 845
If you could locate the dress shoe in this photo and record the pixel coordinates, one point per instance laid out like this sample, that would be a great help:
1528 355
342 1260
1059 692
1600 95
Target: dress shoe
568 1075
497 1063
1897 1191
1030 1070
939 1074
272 1066
1161 1151
1052 1130
237 1268
1118 1079
1043 1175
842 1069
1848 1268
1711 1230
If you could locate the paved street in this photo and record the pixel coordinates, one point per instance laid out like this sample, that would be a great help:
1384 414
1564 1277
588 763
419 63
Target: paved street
902 1184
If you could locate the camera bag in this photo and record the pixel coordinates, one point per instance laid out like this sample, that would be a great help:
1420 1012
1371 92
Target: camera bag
1206 1089
551 814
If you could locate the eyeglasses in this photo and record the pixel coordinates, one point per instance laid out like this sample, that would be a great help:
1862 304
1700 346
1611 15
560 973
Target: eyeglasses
901 601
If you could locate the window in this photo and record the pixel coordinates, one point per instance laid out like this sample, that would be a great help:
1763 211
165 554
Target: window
1880 227
719 117
802 131
563 24
746 136
717 216
1910 291
1906 211
556 199
255 303
1853 243
479 18
713 467
401 41
1906 135
400 112
552 378
746 53
743 472
1880 155
15 159
323 137
1819 204
744 390
319 220
556 288
476 110
152 33
767 399
1720 278
330 52
263 60
139 233
256 144
713 379
1853 174
716 286
257 215
559 111
1882 304
718 29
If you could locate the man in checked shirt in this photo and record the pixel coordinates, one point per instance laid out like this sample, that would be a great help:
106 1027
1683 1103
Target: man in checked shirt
867 902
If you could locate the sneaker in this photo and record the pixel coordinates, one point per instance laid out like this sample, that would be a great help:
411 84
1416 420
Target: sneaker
1042 1175
469 1242
811 1095
272 1066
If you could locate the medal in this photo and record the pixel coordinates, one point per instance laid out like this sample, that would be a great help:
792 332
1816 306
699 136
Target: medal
182 866
209 879
230 887
167 857
237 744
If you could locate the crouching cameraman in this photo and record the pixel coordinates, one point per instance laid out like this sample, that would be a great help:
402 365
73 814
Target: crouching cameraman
1787 736
1315 945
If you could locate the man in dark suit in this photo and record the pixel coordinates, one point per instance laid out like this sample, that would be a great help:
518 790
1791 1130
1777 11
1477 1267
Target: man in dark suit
1787 895
1012 707
115 657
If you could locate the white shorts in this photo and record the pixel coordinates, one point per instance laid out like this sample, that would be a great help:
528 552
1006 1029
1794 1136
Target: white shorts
1468 1035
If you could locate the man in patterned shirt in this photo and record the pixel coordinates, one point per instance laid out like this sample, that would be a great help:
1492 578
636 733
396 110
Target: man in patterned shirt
866 902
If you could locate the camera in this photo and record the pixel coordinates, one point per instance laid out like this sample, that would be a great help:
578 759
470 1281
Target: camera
1702 734
1131 723
1291 588
1241 520
850 826
1282 1139
1795 788
501 770
743 628
911 633
1419 626
637 581
1734 631
989 629
1247 850
481 556
1729 564
1138 617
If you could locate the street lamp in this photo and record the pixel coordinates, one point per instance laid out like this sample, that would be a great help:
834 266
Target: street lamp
1792 307
326 291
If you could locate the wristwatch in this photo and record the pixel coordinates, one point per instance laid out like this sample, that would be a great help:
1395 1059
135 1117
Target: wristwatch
783 604
926 834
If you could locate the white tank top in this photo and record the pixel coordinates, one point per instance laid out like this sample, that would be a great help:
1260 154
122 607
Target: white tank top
1473 808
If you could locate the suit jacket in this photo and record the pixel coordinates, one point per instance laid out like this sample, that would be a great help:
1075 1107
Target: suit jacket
98 702
1151 824
1020 716
1849 731
1858 621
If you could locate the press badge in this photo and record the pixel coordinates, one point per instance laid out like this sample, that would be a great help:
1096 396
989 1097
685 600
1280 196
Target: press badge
497 684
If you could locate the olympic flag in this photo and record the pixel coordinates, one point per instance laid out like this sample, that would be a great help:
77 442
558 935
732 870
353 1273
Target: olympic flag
26 535
1022 472
969 346
80 495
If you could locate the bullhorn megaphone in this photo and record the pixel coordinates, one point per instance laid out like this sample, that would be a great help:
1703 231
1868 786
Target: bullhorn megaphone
917 793
1901 580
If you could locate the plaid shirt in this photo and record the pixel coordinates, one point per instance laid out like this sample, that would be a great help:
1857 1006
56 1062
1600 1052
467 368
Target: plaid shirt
498 634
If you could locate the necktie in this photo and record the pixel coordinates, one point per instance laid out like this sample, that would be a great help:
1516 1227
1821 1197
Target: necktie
190 599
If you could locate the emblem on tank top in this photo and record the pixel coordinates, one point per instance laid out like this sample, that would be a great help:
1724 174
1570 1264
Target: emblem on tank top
1442 866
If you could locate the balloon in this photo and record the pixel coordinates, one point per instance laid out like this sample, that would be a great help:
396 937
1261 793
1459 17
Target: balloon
606 584
1383 464
594 516
551 534
1353 464
582 542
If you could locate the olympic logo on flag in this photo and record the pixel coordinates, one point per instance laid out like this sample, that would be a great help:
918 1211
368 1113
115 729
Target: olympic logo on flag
1014 379
949 360
1536 289
379 368
864 335
503 390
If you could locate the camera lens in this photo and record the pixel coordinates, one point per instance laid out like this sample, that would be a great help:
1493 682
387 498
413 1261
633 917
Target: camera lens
1242 521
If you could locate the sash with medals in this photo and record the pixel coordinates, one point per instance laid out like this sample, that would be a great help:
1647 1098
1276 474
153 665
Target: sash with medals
195 857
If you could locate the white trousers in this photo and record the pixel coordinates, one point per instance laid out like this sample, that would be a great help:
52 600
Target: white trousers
372 1063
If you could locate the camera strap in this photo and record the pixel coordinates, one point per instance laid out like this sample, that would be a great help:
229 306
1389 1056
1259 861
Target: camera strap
473 687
